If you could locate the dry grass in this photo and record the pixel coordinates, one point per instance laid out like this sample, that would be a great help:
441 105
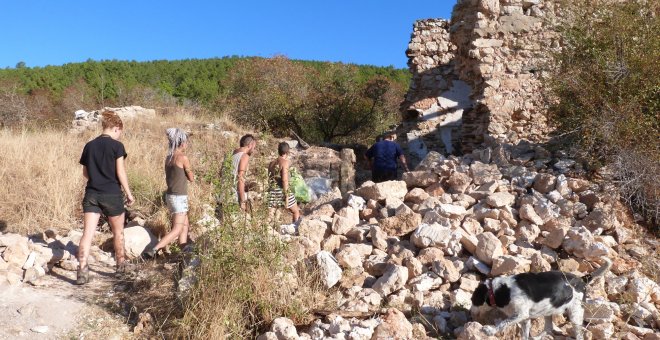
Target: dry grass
243 289
244 281
41 181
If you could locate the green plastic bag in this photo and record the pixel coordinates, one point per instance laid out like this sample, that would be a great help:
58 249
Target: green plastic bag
298 186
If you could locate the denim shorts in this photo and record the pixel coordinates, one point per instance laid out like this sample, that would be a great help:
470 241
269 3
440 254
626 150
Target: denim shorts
177 203
109 204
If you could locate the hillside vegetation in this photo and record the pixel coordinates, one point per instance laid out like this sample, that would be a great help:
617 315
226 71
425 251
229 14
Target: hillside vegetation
608 94
332 100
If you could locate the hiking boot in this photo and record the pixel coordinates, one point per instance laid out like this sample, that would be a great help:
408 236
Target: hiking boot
187 247
123 270
149 254
83 276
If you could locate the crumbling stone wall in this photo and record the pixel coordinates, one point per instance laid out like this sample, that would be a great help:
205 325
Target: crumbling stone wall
434 105
497 50
325 168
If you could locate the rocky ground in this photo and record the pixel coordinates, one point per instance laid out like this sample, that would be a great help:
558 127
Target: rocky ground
38 298
402 258
399 259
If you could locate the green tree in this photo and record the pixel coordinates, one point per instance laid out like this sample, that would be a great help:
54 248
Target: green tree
270 94
343 107
274 94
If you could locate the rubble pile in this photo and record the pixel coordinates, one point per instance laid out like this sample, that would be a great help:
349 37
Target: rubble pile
402 258
27 259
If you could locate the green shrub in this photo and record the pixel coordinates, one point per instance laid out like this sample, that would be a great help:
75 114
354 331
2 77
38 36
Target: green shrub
608 94
243 280
333 103
55 92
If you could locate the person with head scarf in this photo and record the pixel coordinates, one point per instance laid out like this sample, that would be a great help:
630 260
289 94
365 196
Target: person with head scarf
177 175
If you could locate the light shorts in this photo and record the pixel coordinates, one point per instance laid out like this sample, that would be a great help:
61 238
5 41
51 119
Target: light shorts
177 203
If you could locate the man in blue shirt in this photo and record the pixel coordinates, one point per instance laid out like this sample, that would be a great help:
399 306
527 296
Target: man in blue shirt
382 158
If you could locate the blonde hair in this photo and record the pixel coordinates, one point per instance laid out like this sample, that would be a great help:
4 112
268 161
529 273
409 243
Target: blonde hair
110 119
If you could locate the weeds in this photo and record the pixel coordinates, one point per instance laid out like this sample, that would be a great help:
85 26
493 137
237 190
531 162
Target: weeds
244 280
42 182
607 94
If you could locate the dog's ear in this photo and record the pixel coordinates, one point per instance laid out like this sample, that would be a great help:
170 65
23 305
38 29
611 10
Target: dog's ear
479 295
502 296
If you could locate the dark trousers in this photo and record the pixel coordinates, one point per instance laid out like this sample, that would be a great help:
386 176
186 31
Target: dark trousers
378 175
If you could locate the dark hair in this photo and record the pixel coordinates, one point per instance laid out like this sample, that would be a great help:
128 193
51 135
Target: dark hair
246 140
283 148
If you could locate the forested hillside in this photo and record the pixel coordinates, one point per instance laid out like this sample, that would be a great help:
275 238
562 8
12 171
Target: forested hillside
52 93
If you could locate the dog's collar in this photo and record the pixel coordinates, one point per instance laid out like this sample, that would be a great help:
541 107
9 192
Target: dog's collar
491 294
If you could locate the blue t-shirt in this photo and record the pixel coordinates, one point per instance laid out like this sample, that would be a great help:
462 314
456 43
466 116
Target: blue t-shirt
384 154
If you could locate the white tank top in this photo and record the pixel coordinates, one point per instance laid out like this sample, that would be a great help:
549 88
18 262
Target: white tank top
235 160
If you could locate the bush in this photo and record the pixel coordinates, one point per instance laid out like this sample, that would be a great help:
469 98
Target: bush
243 280
335 103
13 104
608 95
55 92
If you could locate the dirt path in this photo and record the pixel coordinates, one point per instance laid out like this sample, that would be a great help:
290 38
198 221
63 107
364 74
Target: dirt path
58 309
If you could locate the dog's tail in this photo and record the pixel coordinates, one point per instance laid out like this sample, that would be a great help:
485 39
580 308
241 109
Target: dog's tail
598 272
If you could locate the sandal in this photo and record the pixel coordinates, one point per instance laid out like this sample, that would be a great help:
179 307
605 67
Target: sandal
187 247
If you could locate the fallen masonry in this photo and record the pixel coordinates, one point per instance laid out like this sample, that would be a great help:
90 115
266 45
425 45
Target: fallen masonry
421 253
26 259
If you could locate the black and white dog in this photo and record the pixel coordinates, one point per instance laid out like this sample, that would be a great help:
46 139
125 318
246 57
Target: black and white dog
527 296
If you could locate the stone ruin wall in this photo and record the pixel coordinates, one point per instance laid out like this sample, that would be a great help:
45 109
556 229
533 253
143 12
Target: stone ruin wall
478 77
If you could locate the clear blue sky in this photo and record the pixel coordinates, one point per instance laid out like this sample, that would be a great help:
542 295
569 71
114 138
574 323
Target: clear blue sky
51 32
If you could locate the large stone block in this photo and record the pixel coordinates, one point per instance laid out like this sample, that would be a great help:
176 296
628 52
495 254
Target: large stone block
394 278
328 268
400 225
420 179
136 240
510 265
489 247
381 191
435 235
313 229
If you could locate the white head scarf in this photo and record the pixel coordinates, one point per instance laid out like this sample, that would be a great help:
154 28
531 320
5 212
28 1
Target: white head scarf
176 137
